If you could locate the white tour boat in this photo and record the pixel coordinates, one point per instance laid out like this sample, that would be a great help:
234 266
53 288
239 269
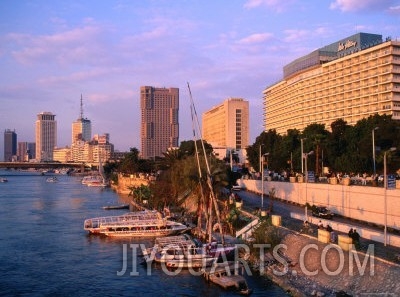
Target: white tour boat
134 224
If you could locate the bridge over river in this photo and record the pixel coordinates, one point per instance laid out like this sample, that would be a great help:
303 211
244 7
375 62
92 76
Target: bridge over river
44 165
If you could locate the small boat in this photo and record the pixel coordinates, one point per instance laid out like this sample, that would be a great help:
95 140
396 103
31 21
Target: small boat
122 206
52 179
224 251
91 178
97 183
134 224
178 252
226 275
100 180
3 180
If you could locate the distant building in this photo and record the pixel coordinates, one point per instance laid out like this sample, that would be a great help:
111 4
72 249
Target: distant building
10 145
350 79
62 155
26 151
101 148
81 135
46 136
117 156
81 128
226 128
159 120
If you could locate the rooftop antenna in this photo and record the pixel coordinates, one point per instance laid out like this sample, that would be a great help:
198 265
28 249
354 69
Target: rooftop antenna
81 108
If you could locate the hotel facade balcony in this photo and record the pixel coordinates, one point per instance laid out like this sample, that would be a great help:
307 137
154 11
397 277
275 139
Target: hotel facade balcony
349 86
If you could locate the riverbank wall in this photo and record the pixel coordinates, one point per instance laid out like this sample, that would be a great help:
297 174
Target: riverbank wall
373 205
125 182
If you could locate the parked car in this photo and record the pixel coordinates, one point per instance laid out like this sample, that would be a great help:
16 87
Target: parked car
236 188
321 212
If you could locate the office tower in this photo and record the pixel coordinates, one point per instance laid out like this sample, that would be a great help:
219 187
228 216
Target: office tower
226 127
81 128
351 79
10 145
46 136
159 120
81 134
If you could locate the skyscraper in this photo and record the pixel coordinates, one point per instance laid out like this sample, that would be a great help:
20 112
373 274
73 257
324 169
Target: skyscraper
159 120
10 145
81 135
46 136
226 127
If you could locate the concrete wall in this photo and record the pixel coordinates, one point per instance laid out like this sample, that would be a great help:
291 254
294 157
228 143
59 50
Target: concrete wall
125 182
358 202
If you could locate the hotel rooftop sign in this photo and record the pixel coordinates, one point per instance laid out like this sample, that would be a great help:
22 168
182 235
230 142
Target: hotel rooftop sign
341 48
348 44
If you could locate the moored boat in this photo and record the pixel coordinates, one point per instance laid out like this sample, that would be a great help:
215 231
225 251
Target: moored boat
178 252
97 183
226 275
122 206
91 178
134 224
3 180
52 179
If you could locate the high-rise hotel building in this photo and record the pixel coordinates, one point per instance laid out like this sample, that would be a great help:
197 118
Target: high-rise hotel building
46 136
226 127
159 120
350 79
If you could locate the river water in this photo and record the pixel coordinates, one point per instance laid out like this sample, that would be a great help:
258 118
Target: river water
44 250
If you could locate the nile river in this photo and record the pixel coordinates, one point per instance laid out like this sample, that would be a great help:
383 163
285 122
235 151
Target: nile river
44 250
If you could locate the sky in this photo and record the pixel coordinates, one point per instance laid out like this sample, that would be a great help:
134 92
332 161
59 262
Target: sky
53 51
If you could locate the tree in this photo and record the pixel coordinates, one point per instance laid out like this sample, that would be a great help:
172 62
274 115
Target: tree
316 135
140 193
131 163
269 143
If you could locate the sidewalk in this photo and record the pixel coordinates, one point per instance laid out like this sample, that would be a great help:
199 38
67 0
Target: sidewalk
387 253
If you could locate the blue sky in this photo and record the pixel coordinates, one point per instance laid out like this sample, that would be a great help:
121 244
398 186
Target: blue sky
51 52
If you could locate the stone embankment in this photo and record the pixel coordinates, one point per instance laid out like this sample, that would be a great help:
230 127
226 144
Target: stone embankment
318 269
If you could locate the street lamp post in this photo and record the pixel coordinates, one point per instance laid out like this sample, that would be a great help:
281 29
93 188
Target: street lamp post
302 156
373 149
262 180
306 179
385 186
305 159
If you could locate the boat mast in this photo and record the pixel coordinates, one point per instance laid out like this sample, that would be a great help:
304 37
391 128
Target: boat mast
209 181
202 199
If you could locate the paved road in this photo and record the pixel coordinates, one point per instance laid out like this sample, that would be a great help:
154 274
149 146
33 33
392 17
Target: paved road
252 202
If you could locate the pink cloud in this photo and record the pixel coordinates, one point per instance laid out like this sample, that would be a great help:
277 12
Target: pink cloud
357 5
394 9
256 38
79 45
295 35
275 5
